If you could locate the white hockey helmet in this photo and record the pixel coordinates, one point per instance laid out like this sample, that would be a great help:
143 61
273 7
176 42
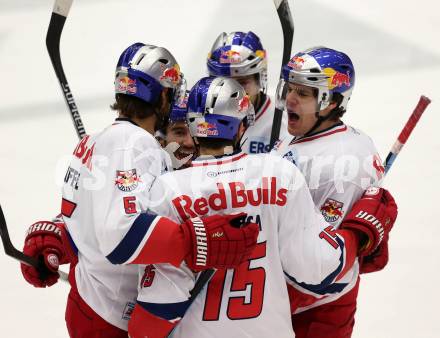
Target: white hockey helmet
216 107
144 70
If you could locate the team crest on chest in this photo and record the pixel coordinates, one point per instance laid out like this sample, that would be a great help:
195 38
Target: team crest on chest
332 210
127 180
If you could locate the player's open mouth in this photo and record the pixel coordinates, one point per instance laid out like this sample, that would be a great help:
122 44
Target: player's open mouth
293 117
181 154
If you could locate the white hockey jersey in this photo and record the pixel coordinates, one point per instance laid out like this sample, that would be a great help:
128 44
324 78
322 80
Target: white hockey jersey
105 194
338 164
256 139
252 300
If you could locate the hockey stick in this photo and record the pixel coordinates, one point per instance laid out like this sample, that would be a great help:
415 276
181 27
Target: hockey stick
406 132
283 10
59 14
11 251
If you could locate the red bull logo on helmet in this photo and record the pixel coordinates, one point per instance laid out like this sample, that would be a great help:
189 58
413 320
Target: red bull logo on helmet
261 53
296 63
244 104
183 103
127 85
332 210
171 75
337 79
230 56
206 128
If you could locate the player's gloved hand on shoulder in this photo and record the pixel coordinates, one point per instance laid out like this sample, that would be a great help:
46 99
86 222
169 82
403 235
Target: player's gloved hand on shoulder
373 217
43 242
221 242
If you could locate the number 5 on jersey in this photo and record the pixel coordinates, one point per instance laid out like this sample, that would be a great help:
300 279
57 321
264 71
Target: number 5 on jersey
130 204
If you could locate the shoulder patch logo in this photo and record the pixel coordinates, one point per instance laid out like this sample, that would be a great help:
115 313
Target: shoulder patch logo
332 210
127 180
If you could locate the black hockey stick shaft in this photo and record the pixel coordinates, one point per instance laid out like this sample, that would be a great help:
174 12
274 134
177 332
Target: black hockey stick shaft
285 16
53 37
11 251
56 25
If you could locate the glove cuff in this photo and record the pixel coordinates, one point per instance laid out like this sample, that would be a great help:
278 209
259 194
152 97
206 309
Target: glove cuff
195 231
43 228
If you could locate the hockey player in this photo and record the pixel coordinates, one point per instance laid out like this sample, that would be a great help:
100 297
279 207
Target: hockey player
177 140
339 162
295 243
241 56
105 206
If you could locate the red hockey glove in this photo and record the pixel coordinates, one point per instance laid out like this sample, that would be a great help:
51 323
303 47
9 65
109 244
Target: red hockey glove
373 216
219 241
376 261
43 242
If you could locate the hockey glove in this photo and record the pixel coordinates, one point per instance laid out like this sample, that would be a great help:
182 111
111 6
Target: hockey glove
43 242
221 242
373 216
376 261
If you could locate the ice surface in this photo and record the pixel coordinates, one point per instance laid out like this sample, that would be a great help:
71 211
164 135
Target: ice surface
394 46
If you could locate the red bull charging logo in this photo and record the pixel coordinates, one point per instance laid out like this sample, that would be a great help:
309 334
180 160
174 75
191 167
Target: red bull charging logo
244 104
296 63
206 128
127 180
261 53
171 75
332 210
230 56
336 79
127 85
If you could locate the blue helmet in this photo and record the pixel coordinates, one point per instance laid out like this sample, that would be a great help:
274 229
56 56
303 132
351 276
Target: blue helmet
144 71
238 54
327 70
216 107
179 108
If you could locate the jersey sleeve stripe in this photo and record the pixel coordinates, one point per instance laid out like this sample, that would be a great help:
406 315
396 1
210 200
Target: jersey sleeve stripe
168 311
327 286
133 239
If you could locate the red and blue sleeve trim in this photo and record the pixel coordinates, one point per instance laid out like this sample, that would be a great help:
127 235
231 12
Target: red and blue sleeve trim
168 311
327 286
129 244
72 243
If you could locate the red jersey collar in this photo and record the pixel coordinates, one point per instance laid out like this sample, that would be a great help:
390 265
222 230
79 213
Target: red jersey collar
200 162
263 109
339 128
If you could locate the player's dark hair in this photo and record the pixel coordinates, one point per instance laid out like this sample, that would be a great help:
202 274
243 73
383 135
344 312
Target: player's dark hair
337 112
217 143
133 107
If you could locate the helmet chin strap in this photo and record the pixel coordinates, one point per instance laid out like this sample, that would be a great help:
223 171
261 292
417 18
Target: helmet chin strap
238 144
319 119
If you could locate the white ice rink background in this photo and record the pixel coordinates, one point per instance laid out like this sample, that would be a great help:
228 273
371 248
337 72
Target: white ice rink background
396 51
